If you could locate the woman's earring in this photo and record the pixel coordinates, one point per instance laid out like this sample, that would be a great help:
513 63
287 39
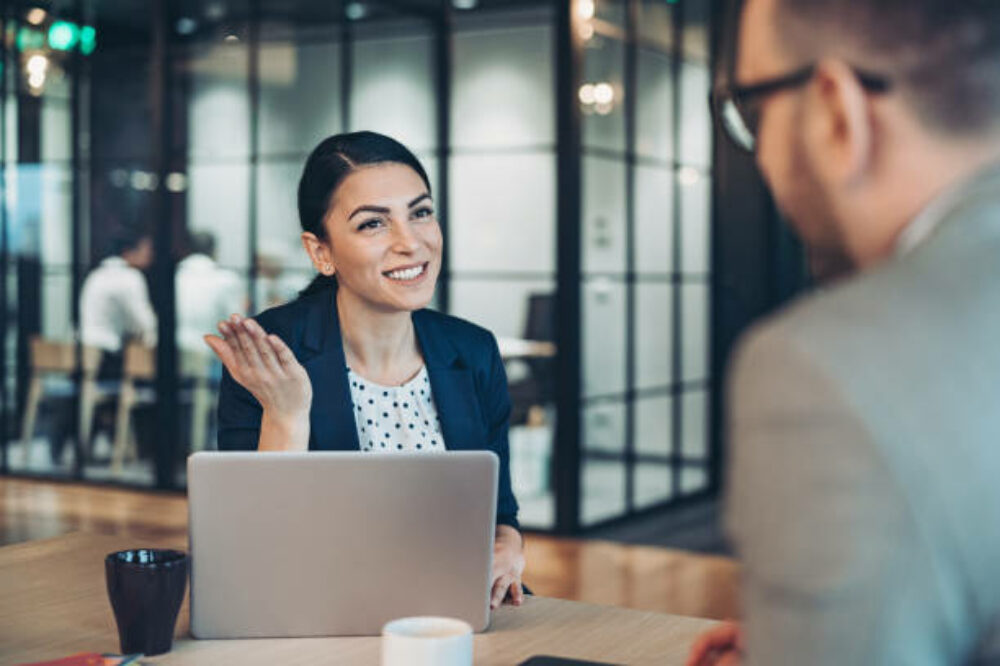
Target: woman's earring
328 268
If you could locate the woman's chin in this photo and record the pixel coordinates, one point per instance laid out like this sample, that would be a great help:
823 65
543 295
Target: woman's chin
411 301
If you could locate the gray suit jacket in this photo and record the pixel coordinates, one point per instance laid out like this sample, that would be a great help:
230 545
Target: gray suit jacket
864 479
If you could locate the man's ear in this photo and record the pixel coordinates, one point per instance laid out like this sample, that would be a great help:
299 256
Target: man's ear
839 134
319 253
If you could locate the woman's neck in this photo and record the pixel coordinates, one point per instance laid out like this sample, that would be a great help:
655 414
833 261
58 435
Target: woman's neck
378 345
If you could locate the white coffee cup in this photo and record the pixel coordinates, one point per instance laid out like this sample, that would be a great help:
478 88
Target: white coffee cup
427 641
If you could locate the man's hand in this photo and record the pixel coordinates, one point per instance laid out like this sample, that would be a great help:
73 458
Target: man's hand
719 646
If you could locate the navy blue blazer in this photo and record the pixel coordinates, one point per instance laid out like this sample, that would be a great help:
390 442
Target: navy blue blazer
467 378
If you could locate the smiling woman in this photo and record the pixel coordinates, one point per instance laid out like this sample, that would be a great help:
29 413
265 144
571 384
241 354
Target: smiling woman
357 362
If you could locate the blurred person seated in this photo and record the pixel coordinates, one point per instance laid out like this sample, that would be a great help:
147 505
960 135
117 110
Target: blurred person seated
114 308
275 286
864 431
206 293
114 300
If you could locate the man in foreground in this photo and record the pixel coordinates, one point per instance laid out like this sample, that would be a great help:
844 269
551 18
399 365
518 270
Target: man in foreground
865 420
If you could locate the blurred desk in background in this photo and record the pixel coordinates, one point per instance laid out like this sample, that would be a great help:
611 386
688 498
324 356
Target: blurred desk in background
515 348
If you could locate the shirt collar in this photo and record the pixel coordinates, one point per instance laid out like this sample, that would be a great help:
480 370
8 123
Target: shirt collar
200 261
114 260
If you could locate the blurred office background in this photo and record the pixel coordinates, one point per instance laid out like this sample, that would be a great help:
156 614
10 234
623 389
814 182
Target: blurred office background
571 150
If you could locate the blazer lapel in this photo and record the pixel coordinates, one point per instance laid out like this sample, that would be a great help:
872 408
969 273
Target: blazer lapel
331 418
453 388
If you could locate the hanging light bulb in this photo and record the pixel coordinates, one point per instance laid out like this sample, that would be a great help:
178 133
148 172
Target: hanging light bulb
604 93
355 11
37 64
36 16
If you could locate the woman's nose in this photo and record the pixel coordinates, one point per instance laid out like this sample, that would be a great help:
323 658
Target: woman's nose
405 240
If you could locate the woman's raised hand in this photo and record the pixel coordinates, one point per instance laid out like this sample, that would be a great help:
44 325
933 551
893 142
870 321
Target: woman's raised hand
264 365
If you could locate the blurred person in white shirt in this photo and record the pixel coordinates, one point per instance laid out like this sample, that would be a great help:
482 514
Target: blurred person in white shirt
114 301
277 282
206 293
114 309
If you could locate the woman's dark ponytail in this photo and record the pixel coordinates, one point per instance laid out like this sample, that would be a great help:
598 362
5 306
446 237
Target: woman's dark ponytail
327 167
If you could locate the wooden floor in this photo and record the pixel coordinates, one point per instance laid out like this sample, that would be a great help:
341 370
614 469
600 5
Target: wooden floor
640 577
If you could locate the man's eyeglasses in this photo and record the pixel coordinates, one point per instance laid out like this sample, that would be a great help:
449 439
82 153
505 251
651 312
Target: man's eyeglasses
739 106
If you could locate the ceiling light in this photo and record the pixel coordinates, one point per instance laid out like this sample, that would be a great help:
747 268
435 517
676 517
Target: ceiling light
215 11
176 181
604 93
464 4
118 177
186 25
36 16
30 38
63 35
355 11
37 64
88 39
144 180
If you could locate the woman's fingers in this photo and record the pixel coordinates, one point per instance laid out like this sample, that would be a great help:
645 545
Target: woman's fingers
500 589
262 346
229 335
246 342
281 351
222 350
517 593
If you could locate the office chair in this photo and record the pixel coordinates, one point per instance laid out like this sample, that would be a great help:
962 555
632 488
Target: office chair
51 358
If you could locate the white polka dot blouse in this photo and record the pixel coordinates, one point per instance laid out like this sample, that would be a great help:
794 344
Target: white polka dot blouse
396 419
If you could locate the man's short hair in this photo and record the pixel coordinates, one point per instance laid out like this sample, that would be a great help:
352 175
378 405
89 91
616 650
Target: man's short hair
943 55
202 242
124 239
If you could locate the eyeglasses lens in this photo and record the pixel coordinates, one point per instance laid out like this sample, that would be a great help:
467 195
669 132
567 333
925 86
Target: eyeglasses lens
740 124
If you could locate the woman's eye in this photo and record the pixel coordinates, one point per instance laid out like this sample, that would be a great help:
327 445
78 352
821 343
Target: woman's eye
423 212
373 223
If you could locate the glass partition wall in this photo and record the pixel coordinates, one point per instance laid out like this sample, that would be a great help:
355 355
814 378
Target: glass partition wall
188 123
645 275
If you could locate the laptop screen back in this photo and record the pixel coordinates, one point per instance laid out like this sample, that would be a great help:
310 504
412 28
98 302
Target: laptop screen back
338 543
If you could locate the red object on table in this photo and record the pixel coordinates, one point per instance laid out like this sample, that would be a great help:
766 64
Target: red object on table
85 659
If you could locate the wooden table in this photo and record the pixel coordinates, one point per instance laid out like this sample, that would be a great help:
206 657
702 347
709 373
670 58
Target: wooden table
53 603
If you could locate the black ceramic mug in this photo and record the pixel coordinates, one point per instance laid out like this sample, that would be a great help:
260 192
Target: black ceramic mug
146 588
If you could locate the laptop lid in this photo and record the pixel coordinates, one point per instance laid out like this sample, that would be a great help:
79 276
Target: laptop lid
338 543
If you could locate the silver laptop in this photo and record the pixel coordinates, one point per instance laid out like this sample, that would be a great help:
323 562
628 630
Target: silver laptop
338 543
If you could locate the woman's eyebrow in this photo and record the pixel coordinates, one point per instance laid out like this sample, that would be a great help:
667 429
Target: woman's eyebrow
385 211
423 196
369 209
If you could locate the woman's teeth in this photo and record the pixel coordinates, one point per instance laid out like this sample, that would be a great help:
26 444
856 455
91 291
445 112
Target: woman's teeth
406 274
